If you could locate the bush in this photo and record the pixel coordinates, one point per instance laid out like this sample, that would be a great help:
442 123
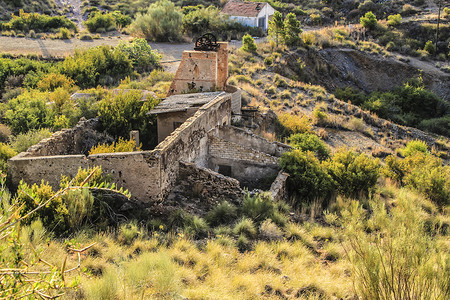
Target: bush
99 20
143 58
28 111
39 23
5 133
161 23
100 65
121 146
310 142
308 38
430 47
354 174
52 81
197 227
394 20
398 260
23 141
290 124
414 146
124 112
198 20
64 34
128 232
258 207
6 152
308 179
248 43
423 172
369 21
245 227
224 213
292 30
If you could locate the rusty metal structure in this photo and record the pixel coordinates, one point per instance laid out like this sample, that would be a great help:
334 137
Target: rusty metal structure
206 42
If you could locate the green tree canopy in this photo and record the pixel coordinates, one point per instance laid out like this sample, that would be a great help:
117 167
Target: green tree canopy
161 23
292 30
276 28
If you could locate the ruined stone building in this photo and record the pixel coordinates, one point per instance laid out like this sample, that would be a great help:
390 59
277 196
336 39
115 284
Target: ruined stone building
194 135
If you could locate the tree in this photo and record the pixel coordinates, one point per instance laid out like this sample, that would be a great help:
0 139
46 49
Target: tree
248 43
161 23
369 20
292 30
276 27
394 20
140 53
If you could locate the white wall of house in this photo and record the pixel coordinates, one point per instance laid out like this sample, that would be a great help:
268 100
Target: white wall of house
249 21
265 13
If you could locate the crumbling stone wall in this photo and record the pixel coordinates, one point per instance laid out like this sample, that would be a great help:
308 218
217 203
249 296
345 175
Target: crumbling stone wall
247 157
236 98
199 189
77 140
148 175
189 141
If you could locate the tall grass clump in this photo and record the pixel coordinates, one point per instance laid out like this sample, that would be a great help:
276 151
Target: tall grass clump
224 213
398 259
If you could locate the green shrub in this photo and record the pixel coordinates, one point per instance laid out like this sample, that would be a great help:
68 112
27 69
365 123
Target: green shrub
414 146
37 22
121 146
398 260
99 20
276 28
128 232
268 60
245 227
308 38
354 174
198 20
161 23
430 47
23 141
143 58
369 20
423 172
258 207
224 213
53 216
100 65
394 20
437 125
64 34
179 219
6 152
292 30
124 112
52 81
310 142
197 227
290 124
28 111
248 43
308 179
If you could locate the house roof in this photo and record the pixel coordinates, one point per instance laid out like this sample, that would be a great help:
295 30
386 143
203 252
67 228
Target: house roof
176 103
243 9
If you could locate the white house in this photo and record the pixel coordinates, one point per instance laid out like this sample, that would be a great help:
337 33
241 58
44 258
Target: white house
253 14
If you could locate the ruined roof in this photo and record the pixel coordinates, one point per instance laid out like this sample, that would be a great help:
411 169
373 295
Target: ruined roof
243 9
182 102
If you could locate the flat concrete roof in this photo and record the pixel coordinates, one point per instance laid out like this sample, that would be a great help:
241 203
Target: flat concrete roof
176 103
